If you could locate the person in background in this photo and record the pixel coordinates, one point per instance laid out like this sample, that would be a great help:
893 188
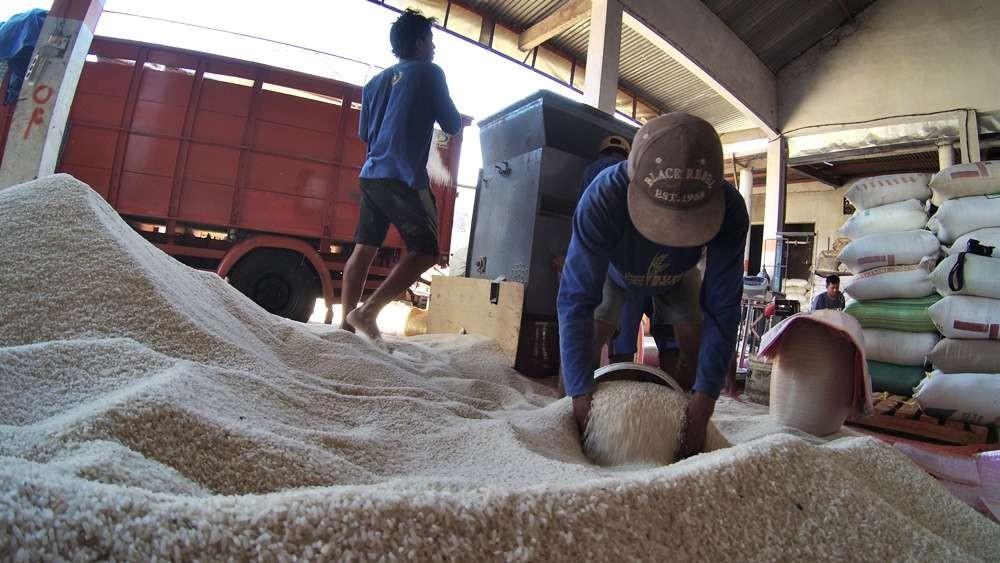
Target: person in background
641 227
613 150
399 107
832 298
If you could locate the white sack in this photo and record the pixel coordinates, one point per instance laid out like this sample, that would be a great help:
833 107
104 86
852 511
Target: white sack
900 216
964 180
965 316
892 282
973 397
898 347
957 217
883 190
981 276
889 249
989 236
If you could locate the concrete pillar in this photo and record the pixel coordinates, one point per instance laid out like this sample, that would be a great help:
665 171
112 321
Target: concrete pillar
774 210
36 130
746 190
600 89
946 155
969 136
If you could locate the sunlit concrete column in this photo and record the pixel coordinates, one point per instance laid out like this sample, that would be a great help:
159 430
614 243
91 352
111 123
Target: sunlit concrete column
36 130
946 155
774 210
600 89
969 137
746 190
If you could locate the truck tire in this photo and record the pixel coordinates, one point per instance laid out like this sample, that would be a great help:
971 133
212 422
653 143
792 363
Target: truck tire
281 281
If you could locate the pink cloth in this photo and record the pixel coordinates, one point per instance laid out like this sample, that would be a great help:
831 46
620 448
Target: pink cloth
839 324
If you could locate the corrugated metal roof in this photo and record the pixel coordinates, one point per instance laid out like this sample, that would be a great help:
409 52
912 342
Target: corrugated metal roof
780 30
518 13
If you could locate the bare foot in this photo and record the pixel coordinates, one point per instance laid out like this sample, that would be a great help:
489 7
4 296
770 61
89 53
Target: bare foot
364 323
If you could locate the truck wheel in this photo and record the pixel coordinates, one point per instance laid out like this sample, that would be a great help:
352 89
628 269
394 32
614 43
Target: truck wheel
281 281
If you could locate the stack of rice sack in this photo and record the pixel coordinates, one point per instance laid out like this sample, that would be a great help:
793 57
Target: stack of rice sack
798 290
891 256
966 380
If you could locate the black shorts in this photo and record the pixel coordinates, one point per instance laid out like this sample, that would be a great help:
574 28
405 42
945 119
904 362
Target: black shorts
386 201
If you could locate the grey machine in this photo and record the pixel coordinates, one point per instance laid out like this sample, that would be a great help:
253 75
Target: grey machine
534 153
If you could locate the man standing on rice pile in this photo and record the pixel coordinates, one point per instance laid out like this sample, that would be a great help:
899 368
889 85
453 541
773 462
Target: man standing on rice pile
398 110
640 228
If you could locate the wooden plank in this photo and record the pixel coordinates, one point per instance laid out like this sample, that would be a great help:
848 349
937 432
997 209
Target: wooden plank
919 429
566 16
458 304
908 410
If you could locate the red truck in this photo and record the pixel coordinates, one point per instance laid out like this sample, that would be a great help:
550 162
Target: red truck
247 170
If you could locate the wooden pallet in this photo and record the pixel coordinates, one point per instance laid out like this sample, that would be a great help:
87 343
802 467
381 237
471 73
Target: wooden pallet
901 416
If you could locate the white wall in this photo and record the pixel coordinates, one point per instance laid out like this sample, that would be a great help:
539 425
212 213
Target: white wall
811 202
899 57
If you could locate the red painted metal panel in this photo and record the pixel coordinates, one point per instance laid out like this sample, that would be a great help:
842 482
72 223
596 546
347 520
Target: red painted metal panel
345 220
349 187
160 119
289 176
294 140
144 195
218 127
97 108
206 203
150 155
211 163
115 49
97 178
230 68
109 79
301 112
90 146
268 211
173 58
165 86
223 97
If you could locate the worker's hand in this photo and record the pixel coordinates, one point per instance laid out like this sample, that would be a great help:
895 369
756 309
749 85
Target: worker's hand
699 410
581 411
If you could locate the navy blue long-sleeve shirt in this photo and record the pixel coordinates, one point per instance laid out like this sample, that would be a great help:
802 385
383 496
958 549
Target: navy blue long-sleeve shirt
606 243
398 109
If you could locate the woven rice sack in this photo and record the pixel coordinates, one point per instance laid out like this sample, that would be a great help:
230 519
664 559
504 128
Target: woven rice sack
957 217
989 236
812 379
882 190
634 422
889 249
909 315
892 282
900 216
895 379
898 347
951 355
965 316
980 276
964 180
971 397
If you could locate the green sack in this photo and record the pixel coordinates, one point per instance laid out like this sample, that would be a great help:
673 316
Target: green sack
908 315
896 379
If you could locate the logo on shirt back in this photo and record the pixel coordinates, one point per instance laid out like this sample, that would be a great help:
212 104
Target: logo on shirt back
653 277
397 76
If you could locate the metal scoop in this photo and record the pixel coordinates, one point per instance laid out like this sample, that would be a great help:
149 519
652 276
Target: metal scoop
631 371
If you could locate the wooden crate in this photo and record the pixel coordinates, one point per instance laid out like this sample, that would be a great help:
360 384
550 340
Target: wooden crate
477 306
901 416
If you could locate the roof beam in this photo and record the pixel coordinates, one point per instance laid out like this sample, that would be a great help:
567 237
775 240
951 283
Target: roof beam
703 44
569 14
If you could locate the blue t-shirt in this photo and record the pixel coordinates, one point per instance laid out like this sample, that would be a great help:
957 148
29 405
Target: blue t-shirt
398 111
596 167
605 243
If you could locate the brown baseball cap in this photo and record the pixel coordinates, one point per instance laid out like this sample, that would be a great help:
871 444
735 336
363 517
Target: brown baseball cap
675 195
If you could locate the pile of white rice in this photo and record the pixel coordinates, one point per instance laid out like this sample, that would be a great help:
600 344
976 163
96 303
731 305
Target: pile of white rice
149 410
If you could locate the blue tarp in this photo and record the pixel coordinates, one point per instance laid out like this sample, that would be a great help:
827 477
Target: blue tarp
18 36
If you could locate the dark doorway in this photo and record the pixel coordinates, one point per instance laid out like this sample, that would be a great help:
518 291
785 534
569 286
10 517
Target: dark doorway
799 250
756 248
